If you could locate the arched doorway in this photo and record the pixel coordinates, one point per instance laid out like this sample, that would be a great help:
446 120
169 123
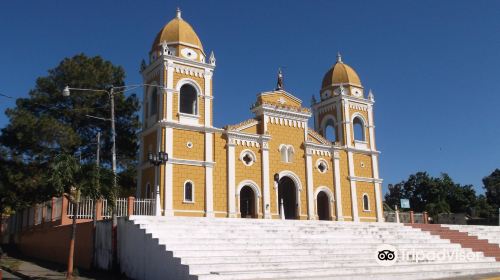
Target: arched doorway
323 206
287 193
247 202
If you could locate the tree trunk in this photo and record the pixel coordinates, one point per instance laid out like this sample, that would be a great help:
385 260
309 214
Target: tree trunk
69 274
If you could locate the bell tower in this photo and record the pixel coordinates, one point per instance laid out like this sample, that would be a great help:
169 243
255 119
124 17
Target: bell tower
344 116
178 105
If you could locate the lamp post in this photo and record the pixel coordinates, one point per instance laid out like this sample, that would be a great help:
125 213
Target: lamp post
157 160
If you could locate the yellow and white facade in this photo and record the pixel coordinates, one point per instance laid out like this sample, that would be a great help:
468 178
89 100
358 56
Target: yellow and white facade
270 166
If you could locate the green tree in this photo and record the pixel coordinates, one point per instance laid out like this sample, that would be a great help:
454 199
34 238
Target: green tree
70 178
492 188
433 194
47 124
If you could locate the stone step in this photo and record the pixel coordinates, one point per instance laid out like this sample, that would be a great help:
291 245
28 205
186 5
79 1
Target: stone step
299 265
275 240
333 273
271 251
265 246
407 276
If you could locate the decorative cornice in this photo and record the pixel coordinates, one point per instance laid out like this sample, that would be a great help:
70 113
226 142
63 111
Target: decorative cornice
357 106
191 71
242 125
179 161
287 94
247 139
287 122
337 98
365 179
187 62
290 113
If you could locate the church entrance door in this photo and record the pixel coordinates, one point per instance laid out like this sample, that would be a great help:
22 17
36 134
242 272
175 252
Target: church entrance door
247 202
323 206
287 193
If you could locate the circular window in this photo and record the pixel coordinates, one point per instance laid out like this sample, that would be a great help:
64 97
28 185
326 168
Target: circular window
247 157
189 144
322 166
362 164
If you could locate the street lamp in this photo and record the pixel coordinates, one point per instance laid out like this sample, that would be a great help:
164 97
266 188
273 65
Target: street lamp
157 160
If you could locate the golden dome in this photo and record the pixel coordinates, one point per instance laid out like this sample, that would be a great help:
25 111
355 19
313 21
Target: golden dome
177 31
341 73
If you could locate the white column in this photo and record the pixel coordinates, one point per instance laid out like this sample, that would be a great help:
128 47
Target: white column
340 126
231 185
378 194
209 185
354 195
350 160
338 193
265 180
138 190
310 199
347 123
371 127
265 120
170 90
208 97
168 195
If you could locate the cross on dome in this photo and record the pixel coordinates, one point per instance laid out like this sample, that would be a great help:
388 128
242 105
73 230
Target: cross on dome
279 84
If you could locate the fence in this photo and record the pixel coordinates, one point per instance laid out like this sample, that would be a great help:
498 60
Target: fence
405 217
144 207
85 209
52 212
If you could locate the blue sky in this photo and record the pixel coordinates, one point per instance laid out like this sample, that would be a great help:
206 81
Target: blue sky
432 65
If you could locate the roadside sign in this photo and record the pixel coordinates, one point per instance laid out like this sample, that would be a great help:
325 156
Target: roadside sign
405 203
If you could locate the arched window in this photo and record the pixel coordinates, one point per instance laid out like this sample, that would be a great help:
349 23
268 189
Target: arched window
188 191
283 152
359 129
366 202
188 103
290 154
330 132
287 152
153 102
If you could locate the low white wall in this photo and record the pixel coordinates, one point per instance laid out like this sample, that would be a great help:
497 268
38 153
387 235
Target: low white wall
141 257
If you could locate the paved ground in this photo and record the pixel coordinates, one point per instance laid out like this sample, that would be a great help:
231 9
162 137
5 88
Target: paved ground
8 276
19 267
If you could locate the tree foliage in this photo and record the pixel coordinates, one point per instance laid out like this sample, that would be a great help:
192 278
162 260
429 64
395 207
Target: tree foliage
433 194
46 124
492 188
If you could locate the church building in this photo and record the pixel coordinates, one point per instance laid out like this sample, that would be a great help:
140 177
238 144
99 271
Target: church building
271 166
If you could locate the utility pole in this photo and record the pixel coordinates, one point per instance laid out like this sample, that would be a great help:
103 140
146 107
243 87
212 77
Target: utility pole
96 200
114 192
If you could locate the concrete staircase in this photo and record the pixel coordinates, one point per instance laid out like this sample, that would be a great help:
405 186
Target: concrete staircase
465 239
206 248
490 233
